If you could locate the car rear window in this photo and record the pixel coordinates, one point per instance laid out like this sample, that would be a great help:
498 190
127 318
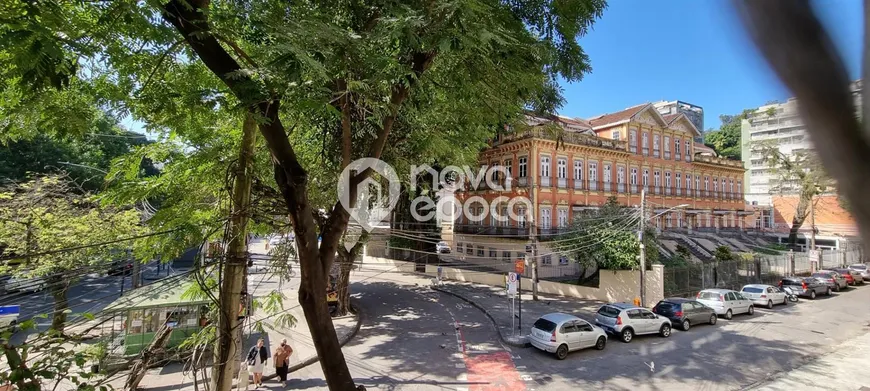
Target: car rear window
545 325
666 306
792 282
826 275
708 296
608 311
753 290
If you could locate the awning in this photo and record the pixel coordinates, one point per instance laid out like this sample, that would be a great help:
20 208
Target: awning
168 292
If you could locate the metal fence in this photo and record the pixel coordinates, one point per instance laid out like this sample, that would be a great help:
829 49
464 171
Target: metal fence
684 281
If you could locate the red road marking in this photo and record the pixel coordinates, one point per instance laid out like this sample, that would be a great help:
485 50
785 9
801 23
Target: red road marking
493 372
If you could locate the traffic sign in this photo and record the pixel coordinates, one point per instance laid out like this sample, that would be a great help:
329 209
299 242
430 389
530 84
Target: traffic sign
512 284
520 266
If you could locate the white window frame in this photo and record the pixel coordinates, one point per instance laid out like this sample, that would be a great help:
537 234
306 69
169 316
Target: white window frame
614 135
646 178
633 177
546 218
563 217
545 166
562 168
667 179
523 166
593 171
667 143
607 173
578 170
657 178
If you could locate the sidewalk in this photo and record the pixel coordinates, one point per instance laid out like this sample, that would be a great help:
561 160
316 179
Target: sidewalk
494 303
174 376
844 369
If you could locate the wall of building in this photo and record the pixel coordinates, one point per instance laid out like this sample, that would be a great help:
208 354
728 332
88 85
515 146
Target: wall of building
831 218
614 285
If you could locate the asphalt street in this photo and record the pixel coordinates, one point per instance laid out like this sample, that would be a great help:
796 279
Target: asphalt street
413 338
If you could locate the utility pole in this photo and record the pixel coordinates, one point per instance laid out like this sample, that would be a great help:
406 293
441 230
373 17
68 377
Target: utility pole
533 235
813 222
233 284
642 250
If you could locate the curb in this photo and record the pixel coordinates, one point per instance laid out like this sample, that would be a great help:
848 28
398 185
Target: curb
488 315
341 342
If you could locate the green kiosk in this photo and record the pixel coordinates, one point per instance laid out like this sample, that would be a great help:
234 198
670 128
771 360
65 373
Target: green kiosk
143 310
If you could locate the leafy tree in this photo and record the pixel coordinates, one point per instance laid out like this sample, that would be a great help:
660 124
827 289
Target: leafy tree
52 230
726 141
724 254
84 159
799 174
607 238
352 80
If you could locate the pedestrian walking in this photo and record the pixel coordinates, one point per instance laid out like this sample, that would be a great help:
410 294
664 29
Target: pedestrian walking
257 357
282 361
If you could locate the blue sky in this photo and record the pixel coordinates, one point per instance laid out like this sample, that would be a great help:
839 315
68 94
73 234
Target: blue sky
690 50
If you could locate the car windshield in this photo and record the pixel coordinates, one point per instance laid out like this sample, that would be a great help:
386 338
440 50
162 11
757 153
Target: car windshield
545 325
708 296
608 311
750 289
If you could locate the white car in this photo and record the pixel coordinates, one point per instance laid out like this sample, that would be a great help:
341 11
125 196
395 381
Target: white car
279 239
9 315
764 295
627 320
726 302
442 247
562 333
24 284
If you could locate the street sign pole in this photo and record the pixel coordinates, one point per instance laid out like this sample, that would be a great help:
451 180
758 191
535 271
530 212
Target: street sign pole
520 294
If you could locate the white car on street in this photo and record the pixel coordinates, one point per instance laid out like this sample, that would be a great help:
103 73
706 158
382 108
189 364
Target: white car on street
764 295
24 284
627 320
726 302
562 333
442 247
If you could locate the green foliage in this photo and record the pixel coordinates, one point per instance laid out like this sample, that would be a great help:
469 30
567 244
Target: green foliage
607 239
84 159
684 252
724 254
726 141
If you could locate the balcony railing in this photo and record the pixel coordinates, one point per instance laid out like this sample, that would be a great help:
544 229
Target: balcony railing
593 185
607 186
655 153
633 189
578 184
677 157
719 161
545 181
477 229
658 190
668 155
632 148
523 181
678 190
565 137
562 182
667 191
688 158
620 187
645 151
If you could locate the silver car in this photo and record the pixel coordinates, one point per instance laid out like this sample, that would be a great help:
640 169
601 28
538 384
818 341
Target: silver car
764 295
832 279
627 320
562 333
863 269
726 302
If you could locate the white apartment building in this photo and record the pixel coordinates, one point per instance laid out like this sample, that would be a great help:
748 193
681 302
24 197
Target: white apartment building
781 125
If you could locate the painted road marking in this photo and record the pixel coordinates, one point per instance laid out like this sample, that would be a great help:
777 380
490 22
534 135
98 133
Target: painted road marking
493 372
526 377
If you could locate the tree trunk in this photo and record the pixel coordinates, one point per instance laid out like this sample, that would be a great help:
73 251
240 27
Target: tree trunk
228 346
58 288
137 372
800 214
346 260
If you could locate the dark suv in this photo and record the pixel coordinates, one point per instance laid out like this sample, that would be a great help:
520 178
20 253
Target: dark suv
805 286
684 313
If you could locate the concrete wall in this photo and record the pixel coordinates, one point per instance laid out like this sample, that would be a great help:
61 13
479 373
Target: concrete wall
614 286
385 264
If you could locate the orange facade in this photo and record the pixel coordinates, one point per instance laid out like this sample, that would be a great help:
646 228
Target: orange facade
617 155
830 217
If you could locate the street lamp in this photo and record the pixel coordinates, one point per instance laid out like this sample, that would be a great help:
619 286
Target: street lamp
643 221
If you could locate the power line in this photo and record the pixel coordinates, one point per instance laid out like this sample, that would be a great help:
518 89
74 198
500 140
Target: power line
86 246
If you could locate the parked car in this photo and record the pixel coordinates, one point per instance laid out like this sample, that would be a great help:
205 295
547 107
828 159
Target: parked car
726 302
562 333
24 284
442 247
685 312
276 240
862 269
764 295
805 286
832 278
853 277
117 268
627 320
